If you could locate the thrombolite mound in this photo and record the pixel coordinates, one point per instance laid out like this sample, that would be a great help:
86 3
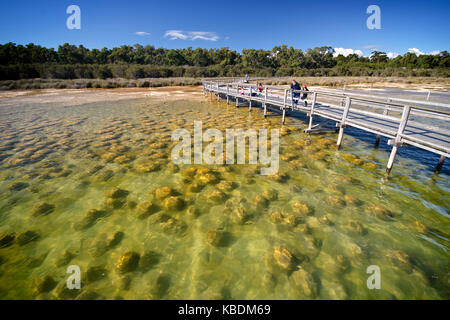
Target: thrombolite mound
145 209
304 282
127 262
6 240
27 237
104 242
173 203
89 219
43 209
163 192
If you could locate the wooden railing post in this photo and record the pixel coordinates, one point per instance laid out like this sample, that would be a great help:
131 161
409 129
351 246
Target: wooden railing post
342 124
398 138
228 93
237 95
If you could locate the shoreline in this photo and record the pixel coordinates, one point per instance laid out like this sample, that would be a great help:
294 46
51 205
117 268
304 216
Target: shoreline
350 82
191 92
82 96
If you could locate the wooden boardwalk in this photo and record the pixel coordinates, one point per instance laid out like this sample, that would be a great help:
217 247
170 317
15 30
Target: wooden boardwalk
422 124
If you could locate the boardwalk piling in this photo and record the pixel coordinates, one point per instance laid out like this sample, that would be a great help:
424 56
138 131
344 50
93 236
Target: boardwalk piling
398 138
265 102
342 124
377 141
250 100
311 113
284 106
440 164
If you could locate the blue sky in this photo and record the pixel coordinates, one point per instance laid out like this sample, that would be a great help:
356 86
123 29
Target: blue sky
424 25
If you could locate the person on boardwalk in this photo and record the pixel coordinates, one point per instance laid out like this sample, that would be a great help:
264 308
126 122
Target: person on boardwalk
305 95
295 95
260 87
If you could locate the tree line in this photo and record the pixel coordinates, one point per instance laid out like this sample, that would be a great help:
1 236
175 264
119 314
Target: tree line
71 62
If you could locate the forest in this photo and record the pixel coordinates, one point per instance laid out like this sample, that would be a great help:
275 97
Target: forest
135 62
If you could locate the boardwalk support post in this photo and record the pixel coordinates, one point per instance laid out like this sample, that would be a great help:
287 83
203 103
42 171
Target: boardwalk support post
218 93
398 138
265 102
311 113
440 164
342 124
284 106
250 100
377 141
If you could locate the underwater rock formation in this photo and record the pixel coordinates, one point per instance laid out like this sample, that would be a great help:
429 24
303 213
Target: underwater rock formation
89 219
42 209
44 284
145 209
283 258
26 237
127 262
304 282
173 203
6 240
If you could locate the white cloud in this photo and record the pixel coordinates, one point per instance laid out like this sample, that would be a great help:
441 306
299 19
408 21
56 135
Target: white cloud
191 35
416 51
346 52
419 53
372 47
392 55
142 33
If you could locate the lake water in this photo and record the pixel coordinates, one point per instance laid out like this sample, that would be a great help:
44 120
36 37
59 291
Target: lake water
93 186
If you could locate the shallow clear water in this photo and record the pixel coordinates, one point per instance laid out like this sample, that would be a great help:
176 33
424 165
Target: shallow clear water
309 232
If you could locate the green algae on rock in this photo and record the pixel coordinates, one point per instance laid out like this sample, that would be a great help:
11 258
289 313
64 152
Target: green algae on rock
26 237
89 219
304 282
6 240
127 262
45 284
43 209
145 209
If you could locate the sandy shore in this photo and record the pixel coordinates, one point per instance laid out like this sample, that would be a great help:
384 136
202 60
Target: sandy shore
82 96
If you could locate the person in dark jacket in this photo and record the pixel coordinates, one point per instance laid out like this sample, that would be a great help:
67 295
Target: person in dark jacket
305 95
295 95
